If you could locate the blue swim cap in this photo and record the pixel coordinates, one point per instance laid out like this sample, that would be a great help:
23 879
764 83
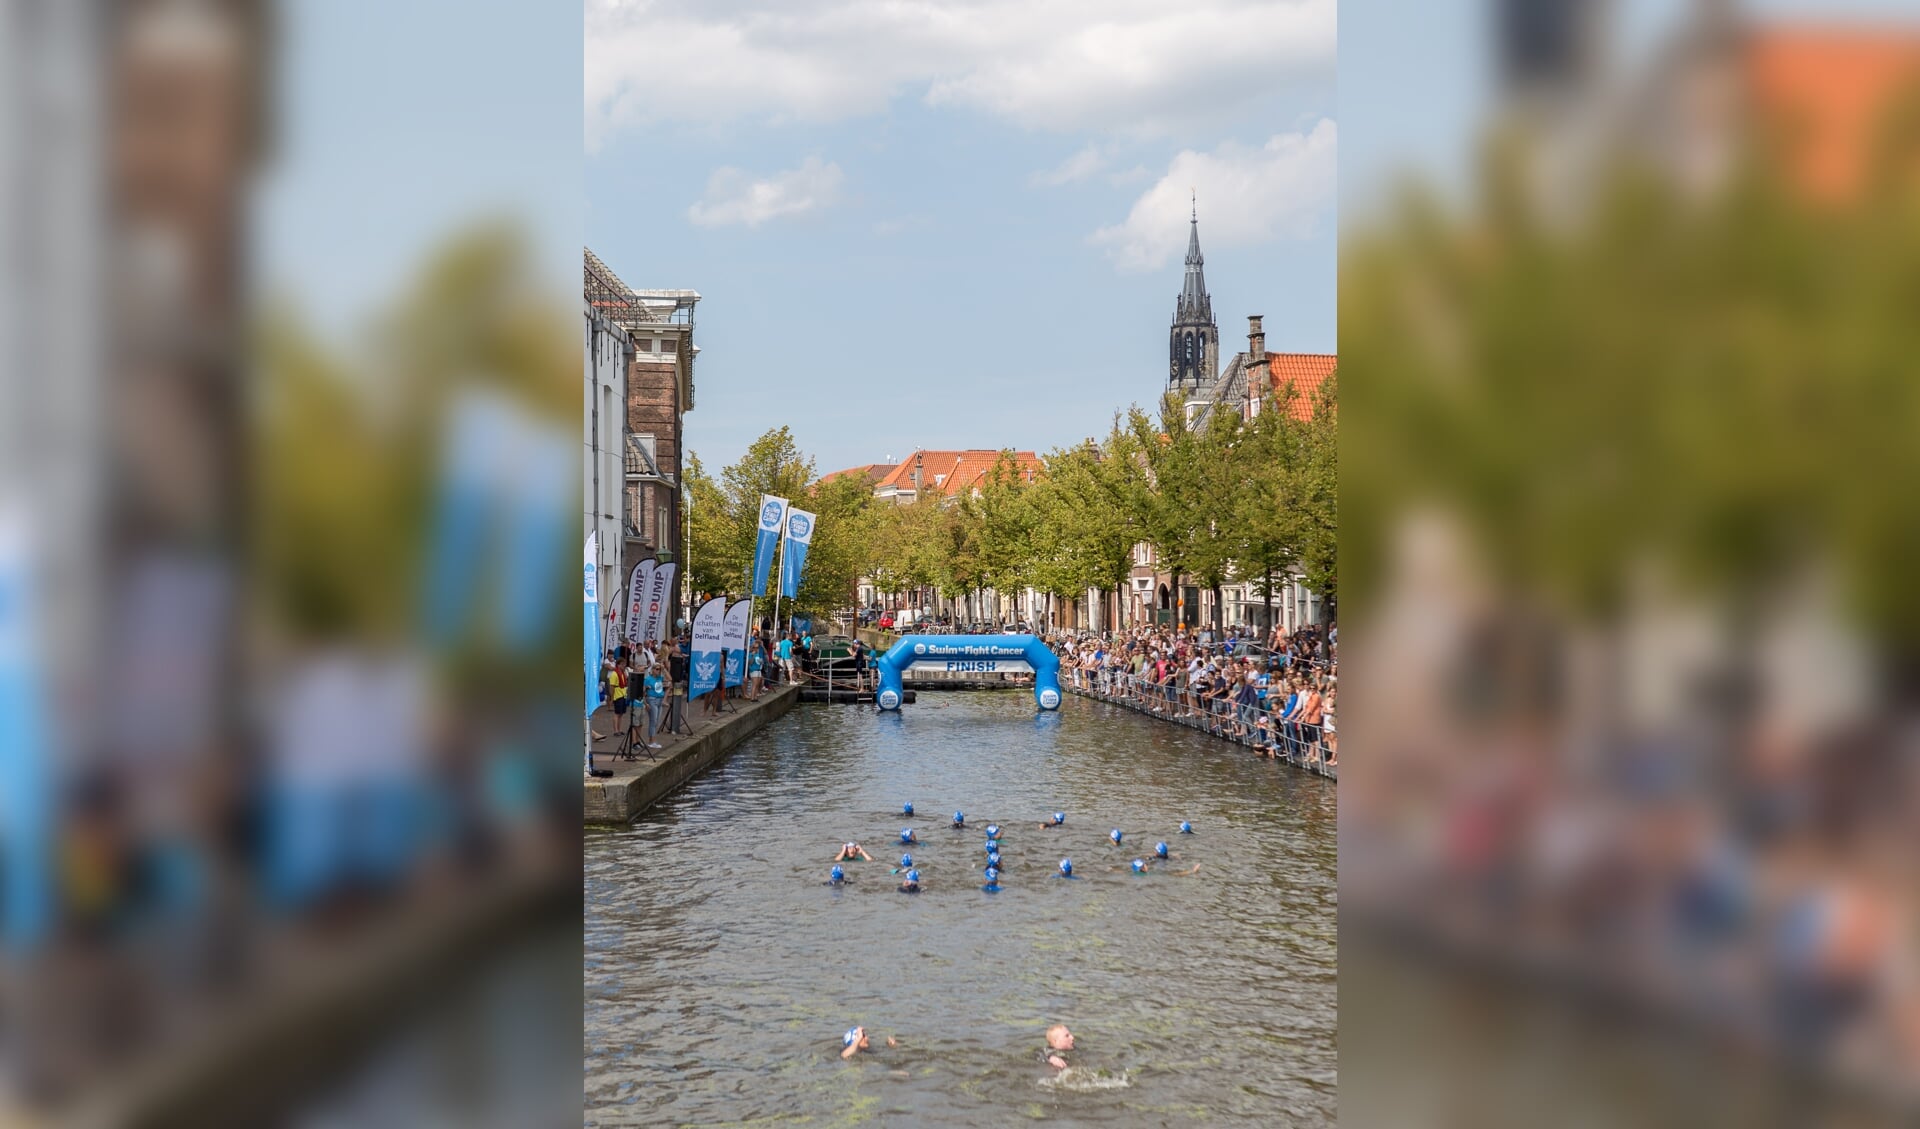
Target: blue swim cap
959 817
1066 866
1186 828
906 809
906 861
993 860
913 876
993 874
1160 849
993 831
1114 834
1059 817
1139 866
993 845
906 834
838 874
852 1034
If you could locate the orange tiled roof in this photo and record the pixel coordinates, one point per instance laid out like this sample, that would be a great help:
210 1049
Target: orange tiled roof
945 472
1828 91
872 472
1306 372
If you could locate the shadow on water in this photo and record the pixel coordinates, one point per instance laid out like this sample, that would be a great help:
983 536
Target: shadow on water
721 970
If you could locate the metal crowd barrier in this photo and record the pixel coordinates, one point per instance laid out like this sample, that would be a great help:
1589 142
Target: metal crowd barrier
1297 743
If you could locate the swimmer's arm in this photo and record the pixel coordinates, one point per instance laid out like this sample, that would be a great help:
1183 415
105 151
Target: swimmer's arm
1056 1062
852 1049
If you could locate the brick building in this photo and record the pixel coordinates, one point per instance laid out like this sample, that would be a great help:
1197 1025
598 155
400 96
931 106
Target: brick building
659 393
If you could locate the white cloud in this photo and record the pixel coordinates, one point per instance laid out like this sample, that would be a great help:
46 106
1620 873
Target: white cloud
1126 65
734 197
1080 166
1247 195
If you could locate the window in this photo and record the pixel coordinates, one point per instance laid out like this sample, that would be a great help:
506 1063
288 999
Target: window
669 345
644 344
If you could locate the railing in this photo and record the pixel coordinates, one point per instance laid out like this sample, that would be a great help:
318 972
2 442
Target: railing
1254 725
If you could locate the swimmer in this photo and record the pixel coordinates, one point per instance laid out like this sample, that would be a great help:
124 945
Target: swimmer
906 809
851 851
911 883
906 863
1160 851
1066 868
1115 836
1059 1043
837 877
993 881
907 835
1142 866
959 819
1186 828
993 845
993 831
1058 819
993 861
855 1041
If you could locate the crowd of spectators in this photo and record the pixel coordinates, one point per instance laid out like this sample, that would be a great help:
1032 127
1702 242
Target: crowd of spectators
1276 691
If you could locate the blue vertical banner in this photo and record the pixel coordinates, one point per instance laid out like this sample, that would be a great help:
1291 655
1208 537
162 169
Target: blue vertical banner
26 770
793 555
709 633
734 640
773 513
591 626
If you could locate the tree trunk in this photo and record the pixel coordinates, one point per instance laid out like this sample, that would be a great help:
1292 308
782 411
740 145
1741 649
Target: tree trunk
1267 604
1219 609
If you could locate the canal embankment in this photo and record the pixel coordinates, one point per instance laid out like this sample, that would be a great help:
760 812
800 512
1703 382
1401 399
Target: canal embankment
1213 726
641 779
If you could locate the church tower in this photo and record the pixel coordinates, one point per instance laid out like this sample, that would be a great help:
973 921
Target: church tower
1194 342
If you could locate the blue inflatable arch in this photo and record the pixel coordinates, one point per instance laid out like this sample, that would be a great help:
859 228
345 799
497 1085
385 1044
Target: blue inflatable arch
975 654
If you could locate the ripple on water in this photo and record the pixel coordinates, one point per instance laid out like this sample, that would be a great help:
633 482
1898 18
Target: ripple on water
721 970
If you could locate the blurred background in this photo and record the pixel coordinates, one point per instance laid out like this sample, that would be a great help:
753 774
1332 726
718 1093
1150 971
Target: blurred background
1631 819
288 811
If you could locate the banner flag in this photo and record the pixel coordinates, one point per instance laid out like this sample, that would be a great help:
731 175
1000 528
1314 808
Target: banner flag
735 642
637 587
793 554
593 654
29 833
709 627
773 514
659 597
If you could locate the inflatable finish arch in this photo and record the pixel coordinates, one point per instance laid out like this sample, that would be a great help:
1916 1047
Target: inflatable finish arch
977 654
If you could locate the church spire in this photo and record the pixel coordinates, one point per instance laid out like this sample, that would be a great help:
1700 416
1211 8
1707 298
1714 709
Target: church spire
1193 294
1194 341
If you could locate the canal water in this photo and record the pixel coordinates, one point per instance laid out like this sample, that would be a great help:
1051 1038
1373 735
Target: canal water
721 971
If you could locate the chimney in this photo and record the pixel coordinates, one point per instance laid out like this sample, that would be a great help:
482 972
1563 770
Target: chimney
918 459
1259 374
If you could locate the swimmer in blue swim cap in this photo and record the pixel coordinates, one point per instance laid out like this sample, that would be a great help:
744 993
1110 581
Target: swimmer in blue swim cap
906 862
906 809
993 881
907 835
1066 868
1139 866
959 819
836 876
1114 835
993 831
911 883
855 1041
1186 828
993 845
1059 818
851 851
993 861
1160 851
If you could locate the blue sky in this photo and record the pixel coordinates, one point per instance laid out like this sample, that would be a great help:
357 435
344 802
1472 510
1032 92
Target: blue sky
958 224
